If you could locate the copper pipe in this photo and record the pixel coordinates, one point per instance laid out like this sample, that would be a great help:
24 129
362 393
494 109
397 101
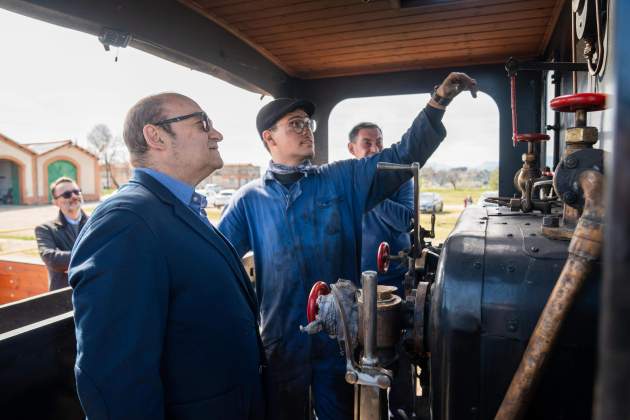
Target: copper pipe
585 247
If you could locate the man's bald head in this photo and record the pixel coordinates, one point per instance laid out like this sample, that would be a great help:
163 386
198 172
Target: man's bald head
146 111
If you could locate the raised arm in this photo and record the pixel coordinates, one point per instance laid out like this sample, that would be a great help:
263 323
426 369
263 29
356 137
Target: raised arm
416 145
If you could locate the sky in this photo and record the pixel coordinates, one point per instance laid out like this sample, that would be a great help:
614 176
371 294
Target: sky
57 84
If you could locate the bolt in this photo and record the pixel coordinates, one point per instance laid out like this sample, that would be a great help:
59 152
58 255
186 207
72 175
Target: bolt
512 325
569 197
352 377
571 162
534 249
509 235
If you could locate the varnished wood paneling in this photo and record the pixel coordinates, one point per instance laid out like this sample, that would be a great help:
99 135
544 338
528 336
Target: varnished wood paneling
321 38
21 280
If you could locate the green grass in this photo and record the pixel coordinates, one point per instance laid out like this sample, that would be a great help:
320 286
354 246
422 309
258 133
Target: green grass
18 237
453 206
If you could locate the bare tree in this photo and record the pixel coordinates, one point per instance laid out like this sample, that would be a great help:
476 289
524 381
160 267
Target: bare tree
107 148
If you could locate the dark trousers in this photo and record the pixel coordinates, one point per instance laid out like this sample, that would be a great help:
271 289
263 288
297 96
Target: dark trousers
333 397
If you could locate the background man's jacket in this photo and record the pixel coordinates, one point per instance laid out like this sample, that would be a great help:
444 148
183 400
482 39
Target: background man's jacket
55 240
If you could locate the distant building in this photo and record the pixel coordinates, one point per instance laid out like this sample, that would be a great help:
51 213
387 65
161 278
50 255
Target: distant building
233 175
120 173
27 169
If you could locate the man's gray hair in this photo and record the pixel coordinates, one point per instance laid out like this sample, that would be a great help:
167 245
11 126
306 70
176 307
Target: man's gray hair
352 136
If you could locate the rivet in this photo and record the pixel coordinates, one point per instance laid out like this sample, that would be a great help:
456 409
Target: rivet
534 249
509 235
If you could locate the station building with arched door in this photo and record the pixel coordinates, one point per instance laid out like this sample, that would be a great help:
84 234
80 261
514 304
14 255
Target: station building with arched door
27 169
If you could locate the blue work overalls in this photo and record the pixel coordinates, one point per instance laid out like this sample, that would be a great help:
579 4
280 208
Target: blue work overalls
307 233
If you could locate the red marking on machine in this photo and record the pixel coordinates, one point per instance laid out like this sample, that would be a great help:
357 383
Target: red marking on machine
382 258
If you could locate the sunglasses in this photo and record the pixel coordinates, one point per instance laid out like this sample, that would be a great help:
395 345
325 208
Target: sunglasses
68 194
206 124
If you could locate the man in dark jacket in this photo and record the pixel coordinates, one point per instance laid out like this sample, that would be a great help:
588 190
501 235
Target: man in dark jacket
55 239
165 315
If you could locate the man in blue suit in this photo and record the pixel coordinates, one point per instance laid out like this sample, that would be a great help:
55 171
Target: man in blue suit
166 318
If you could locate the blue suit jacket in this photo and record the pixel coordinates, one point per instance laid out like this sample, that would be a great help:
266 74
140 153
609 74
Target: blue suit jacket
165 315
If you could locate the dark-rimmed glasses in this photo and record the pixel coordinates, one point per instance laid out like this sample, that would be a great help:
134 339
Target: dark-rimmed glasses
68 194
298 125
206 124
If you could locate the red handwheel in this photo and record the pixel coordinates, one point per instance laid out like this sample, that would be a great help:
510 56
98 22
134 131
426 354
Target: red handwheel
382 258
312 309
579 101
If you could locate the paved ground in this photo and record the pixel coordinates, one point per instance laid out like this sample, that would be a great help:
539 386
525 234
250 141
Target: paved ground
17 225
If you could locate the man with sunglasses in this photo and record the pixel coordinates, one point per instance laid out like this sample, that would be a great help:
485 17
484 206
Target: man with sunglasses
56 238
165 314
303 223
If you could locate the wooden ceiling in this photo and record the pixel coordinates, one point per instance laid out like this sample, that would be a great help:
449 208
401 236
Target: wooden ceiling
326 38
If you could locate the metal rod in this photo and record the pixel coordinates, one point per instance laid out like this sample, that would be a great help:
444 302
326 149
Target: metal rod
513 102
415 246
368 283
557 90
513 66
585 247
573 54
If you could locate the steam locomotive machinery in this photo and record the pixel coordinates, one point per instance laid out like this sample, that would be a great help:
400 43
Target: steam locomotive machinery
500 320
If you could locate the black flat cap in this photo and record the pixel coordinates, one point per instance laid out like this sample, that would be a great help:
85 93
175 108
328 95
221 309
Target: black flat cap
278 108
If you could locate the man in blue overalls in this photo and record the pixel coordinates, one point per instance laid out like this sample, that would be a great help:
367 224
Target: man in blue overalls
303 223
389 221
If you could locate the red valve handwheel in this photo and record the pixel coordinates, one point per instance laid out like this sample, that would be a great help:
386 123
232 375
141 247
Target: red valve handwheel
579 101
382 258
312 309
532 137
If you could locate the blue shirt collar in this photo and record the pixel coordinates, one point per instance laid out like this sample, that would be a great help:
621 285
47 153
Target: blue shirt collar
181 190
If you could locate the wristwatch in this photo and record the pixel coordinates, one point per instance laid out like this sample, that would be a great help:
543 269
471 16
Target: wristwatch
440 100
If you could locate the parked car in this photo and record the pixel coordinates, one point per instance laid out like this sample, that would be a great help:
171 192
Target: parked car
482 199
431 202
223 197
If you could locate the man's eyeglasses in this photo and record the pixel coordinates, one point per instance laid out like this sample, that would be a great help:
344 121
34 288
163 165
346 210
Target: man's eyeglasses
206 124
68 194
299 125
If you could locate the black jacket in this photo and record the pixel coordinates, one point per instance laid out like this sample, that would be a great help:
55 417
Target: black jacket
54 241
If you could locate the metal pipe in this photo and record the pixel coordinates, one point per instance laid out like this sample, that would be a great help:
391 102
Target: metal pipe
368 284
573 54
585 247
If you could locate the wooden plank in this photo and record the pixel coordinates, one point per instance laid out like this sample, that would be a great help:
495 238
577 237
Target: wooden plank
297 11
229 7
555 15
20 280
233 16
349 32
291 54
449 62
389 18
195 5
394 58
408 54
477 25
